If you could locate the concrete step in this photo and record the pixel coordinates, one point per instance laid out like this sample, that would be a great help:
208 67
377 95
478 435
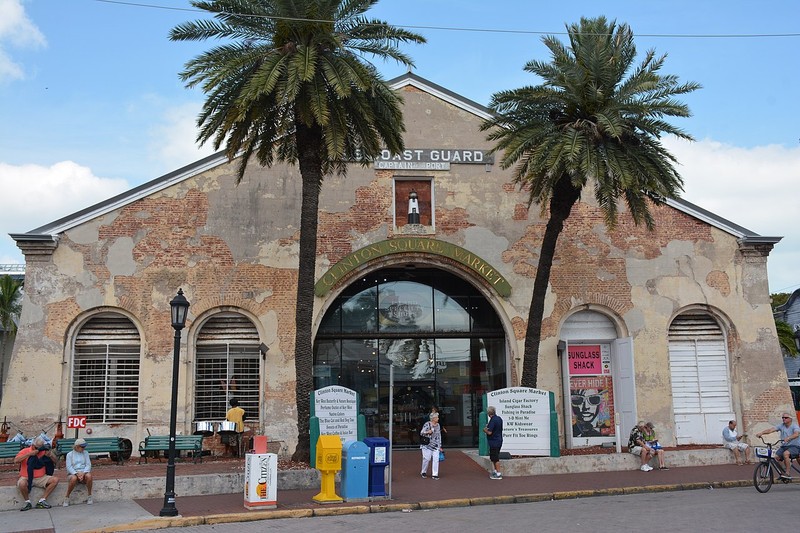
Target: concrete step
231 482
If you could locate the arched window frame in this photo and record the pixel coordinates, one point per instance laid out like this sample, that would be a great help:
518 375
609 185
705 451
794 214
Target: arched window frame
227 365
106 362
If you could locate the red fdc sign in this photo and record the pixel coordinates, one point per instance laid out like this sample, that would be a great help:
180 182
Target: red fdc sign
76 422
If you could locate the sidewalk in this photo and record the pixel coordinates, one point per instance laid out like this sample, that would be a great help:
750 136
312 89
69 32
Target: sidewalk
463 482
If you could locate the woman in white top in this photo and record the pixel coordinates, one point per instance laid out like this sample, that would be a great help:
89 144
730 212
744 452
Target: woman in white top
79 468
430 451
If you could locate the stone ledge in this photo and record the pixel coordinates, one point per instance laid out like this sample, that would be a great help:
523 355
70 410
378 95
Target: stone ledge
608 462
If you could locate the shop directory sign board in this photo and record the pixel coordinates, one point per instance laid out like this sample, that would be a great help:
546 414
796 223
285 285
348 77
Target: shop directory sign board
529 420
336 408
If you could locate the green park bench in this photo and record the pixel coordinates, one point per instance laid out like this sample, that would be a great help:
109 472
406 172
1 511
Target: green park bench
9 450
193 444
112 446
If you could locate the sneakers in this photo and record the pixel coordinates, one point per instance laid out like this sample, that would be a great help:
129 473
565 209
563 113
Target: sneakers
65 504
435 477
784 477
27 507
424 475
43 505
495 475
89 501
645 468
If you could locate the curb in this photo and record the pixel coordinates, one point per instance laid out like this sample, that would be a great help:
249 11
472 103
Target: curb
162 523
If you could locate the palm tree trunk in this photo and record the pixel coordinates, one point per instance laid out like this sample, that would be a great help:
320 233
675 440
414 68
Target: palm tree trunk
310 139
564 197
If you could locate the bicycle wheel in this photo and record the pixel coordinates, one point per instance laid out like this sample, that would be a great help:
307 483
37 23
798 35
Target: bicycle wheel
763 477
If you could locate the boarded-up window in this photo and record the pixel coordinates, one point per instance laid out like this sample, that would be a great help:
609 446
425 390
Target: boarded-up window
105 370
701 393
227 367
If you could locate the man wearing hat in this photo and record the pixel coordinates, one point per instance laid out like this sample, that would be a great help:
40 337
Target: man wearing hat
79 468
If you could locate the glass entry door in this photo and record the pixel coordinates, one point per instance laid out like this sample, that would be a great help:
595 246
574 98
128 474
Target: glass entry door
439 334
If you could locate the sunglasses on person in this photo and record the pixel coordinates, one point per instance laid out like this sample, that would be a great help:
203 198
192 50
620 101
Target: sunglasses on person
592 399
786 417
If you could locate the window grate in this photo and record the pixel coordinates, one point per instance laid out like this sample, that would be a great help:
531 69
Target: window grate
105 371
227 366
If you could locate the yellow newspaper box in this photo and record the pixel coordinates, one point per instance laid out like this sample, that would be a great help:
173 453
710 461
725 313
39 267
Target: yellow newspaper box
329 461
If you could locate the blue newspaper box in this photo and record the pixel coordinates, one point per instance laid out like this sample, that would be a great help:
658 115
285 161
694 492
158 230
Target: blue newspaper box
355 471
378 461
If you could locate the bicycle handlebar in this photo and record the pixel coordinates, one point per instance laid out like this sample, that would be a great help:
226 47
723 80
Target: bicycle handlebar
770 444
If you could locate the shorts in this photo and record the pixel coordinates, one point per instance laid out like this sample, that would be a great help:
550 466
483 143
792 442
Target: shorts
794 451
741 446
81 481
494 454
636 450
39 482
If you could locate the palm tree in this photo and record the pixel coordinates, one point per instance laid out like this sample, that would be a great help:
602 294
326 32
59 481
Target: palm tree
10 308
291 83
594 118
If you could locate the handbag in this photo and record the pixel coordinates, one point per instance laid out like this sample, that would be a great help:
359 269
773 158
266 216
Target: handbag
441 456
424 439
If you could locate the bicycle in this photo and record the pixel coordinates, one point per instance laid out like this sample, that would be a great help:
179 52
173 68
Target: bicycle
764 474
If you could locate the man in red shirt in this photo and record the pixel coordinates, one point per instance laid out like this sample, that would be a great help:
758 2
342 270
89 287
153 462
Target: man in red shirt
41 478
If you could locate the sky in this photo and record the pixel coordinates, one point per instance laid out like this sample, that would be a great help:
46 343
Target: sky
91 104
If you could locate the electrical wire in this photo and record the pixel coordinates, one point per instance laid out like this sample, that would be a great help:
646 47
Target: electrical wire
476 30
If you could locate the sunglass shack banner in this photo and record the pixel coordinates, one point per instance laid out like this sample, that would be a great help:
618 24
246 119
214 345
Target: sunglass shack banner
592 402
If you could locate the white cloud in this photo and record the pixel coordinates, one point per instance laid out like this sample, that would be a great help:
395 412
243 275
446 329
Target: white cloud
752 187
37 195
18 31
173 140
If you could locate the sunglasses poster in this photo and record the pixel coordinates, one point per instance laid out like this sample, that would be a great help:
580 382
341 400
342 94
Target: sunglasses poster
591 392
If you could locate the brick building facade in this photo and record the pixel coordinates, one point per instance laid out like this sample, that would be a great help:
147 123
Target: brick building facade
672 325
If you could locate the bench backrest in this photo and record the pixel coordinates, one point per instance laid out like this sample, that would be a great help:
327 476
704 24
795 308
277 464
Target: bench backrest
93 445
9 449
163 440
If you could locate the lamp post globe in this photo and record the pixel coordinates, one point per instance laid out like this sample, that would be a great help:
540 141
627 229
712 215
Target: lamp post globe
179 306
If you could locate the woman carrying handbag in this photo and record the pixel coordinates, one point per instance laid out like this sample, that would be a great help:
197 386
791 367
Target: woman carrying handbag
432 432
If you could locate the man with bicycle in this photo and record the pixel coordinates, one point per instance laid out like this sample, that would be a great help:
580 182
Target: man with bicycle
790 435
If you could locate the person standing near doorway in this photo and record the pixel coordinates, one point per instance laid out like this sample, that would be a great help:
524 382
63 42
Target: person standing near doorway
236 415
432 432
494 436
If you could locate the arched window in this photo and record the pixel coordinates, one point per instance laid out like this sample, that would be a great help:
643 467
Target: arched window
227 366
105 370
701 391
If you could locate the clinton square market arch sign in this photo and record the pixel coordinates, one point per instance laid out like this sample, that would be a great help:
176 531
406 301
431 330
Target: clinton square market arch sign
412 244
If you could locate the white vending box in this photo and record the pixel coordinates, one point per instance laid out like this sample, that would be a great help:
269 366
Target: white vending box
261 481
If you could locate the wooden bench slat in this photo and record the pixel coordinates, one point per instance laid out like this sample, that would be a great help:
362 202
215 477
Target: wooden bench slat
9 450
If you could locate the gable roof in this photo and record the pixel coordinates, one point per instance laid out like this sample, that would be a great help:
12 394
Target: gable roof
49 232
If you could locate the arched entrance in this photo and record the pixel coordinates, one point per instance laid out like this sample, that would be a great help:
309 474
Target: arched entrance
597 366
442 337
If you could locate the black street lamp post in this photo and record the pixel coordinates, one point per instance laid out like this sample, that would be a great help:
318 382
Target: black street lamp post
179 307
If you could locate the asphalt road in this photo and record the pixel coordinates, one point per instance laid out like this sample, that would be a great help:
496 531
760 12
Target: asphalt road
708 511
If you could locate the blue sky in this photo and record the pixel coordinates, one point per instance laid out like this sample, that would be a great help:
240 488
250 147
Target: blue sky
91 104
